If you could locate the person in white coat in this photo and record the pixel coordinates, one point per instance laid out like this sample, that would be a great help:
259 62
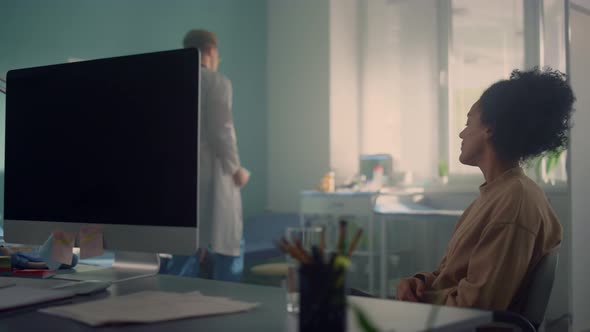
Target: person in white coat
220 174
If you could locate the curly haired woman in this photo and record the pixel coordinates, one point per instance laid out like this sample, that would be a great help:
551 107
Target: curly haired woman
506 231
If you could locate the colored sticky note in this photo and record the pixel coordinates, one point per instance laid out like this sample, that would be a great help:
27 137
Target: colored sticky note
91 242
63 246
45 253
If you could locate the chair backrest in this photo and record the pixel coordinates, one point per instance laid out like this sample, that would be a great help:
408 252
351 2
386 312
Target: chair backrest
539 289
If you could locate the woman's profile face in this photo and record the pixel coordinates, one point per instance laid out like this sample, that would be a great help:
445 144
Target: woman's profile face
473 138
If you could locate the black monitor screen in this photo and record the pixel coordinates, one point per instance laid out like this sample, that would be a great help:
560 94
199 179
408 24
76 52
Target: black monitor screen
110 141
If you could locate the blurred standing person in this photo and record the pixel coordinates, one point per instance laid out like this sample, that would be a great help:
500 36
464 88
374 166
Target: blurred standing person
221 175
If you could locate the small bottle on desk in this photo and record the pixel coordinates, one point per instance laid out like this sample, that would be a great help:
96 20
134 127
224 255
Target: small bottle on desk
328 183
377 180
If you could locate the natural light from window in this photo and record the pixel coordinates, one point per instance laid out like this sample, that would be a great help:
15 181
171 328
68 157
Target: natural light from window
487 43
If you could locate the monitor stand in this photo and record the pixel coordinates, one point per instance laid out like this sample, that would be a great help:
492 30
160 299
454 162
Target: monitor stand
126 266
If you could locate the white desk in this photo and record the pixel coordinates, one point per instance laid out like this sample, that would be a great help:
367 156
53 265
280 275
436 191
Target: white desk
394 209
270 316
343 205
392 206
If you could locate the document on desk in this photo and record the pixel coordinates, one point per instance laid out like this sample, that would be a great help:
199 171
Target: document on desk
6 283
148 307
20 296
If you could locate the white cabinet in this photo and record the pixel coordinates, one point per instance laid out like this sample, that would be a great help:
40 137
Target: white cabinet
326 209
396 223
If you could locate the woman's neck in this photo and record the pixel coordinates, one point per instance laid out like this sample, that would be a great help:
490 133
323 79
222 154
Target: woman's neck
495 167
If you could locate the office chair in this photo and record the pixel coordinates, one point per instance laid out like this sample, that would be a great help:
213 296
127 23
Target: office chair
509 318
537 296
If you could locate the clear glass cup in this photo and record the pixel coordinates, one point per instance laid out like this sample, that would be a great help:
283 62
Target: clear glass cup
309 237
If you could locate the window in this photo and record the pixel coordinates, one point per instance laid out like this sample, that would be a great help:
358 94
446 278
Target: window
485 45
424 64
399 84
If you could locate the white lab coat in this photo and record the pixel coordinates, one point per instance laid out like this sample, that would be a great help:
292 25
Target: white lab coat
220 202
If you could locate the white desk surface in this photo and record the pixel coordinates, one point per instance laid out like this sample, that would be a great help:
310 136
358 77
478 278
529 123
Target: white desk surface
270 316
394 202
349 192
391 315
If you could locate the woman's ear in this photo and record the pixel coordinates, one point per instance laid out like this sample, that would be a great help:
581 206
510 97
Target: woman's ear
489 131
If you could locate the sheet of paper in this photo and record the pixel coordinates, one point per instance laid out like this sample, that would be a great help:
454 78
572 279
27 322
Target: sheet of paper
6 283
45 252
63 246
19 296
91 242
148 307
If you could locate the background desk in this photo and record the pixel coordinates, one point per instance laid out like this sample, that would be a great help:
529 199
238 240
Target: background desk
413 237
270 316
326 209
406 232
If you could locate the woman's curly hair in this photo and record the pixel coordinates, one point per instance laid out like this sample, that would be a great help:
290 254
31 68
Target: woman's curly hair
529 114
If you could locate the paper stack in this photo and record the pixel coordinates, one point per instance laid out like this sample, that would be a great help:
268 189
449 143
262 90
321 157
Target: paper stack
148 307
12 297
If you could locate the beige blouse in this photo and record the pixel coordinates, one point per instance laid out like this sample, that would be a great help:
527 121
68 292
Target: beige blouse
497 241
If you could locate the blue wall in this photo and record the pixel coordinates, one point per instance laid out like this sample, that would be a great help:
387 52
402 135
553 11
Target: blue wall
34 33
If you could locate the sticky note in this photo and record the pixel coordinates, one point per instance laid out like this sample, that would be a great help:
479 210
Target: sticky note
63 246
91 242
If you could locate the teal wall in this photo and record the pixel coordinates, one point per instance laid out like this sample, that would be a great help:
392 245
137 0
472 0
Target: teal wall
34 33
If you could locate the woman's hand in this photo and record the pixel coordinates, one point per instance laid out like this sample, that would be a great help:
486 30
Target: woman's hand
410 289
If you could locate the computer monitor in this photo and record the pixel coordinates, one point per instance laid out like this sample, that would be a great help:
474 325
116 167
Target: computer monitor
113 142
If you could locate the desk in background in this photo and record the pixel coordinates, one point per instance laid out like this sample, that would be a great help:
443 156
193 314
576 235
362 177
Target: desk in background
403 214
326 209
418 231
270 316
